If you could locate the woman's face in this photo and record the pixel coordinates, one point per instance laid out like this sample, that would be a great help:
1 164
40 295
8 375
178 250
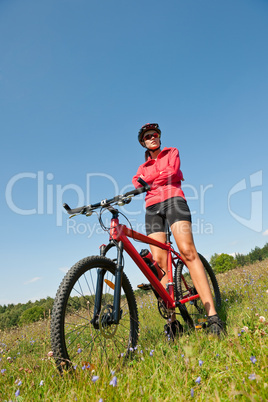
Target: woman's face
151 139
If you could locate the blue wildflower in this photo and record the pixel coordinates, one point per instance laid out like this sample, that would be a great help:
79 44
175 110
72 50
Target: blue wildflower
253 359
200 362
192 392
95 378
17 392
113 381
198 380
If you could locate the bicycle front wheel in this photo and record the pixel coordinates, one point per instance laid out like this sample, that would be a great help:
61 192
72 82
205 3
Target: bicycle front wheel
193 312
75 341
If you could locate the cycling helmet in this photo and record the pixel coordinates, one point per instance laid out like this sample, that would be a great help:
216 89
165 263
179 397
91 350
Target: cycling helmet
146 127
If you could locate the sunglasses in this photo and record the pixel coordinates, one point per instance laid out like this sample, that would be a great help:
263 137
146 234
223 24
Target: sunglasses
149 136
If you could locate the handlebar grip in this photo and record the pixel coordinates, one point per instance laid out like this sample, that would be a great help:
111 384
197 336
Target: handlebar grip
144 184
75 210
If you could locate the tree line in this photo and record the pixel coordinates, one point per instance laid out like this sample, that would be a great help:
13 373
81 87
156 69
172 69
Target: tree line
225 262
14 315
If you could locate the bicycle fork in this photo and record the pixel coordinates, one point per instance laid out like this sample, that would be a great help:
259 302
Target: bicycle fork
113 314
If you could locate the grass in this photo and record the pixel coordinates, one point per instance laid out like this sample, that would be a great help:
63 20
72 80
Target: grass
195 367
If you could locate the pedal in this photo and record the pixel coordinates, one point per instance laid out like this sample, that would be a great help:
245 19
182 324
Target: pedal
201 323
145 286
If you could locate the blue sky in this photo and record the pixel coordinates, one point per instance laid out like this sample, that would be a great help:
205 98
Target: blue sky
79 78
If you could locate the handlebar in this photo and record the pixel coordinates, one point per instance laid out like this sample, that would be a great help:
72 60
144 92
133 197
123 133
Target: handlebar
125 198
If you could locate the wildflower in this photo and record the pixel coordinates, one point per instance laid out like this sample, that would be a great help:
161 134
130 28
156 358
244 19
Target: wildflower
252 376
50 354
95 378
152 352
244 329
113 381
262 319
192 392
198 380
41 383
17 392
3 370
79 350
200 362
253 359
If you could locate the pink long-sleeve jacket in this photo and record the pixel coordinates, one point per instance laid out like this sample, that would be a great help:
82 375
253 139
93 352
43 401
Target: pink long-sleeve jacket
164 176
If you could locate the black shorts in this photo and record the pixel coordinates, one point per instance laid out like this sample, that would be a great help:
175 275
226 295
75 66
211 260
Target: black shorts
173 210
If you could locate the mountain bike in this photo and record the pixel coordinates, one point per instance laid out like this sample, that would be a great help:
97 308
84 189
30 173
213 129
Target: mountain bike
95 315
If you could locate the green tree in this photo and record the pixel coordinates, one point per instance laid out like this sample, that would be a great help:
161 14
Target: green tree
264 251
242 259
213 260
32 314
255 255
223 263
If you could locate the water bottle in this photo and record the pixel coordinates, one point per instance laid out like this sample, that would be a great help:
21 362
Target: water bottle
152 264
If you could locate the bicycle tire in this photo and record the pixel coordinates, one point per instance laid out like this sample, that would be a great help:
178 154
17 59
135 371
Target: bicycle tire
194 312
75 342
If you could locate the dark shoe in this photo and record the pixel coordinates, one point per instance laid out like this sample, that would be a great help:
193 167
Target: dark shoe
171 329
145 286
215 326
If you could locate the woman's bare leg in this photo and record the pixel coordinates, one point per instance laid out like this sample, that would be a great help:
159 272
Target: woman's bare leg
160 256
182 232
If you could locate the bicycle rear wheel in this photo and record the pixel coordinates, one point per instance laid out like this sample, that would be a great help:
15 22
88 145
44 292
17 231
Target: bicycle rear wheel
75 341
193 312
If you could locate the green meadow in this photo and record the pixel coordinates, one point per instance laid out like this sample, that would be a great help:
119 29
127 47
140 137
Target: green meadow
195 367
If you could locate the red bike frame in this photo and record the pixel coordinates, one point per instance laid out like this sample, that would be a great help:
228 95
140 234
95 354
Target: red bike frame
121 233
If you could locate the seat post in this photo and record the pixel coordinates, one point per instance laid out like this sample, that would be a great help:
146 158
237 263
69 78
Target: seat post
167 228
168 232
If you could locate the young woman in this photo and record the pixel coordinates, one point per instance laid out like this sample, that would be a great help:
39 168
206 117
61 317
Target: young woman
161 171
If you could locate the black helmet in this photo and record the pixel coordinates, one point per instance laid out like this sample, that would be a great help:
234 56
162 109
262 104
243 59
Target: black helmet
146 127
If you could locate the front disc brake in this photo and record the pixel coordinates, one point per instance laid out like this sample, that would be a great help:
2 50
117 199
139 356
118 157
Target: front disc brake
107 329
